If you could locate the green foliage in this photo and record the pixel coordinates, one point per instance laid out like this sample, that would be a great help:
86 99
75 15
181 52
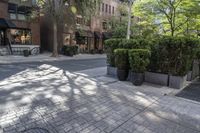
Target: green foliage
173 55
70 50
110 46
119 31
139 59
138 43
198 54
175 18
121 59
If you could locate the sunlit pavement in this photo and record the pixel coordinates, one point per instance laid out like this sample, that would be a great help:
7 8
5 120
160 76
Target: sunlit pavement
53 98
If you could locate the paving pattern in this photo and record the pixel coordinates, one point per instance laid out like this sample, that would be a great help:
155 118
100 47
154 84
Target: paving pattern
48 99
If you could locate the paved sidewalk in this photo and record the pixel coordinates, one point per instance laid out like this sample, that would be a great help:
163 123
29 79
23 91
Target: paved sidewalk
46 57
47 99
191 92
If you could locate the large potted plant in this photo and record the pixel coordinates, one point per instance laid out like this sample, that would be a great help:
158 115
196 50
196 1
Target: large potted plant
157 71
139 60
110 46
180 54
122 64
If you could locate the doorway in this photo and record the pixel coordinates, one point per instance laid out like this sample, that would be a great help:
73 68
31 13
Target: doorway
2 37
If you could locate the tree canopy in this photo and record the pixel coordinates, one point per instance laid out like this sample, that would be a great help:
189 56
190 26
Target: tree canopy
171 17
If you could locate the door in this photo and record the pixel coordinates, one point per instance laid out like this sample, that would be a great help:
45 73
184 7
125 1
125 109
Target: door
2 37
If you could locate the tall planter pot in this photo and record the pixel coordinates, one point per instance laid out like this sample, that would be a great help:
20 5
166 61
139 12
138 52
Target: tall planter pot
112 71
177 82
122 74
137 78
157 78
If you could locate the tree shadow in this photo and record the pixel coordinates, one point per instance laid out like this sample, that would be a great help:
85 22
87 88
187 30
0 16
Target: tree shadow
62 101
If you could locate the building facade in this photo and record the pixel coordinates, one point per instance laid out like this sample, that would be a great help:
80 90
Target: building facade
17 28
88 34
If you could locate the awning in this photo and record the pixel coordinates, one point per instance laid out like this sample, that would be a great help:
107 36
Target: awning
107 35
6 23
97 34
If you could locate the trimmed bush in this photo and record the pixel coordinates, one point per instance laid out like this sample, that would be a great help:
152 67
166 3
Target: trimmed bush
173 55
121 59
70 50
135 44
110 46
139 60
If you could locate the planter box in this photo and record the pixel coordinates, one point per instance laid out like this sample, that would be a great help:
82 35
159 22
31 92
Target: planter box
112 71
177 82
129 76
189 76
157 78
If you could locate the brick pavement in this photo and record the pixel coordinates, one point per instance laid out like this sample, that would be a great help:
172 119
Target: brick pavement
50 100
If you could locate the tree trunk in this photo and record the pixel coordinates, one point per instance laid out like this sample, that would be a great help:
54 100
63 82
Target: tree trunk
129 21
55 39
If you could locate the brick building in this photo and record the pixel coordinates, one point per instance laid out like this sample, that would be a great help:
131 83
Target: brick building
89 35
16 26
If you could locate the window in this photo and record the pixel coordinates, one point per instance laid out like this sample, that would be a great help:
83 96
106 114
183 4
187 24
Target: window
104 25
20 36
13 16
106 8
113 10
102 7
18 12
34 2
109 9
21 17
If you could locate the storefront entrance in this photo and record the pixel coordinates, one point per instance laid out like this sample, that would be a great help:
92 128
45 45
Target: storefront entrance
2 37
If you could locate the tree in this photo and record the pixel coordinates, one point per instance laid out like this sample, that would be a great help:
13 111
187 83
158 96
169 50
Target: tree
56 10
169 15
130 4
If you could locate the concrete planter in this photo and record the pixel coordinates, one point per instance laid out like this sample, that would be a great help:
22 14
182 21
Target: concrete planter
189 76
157 78
129 76
177 82
112 71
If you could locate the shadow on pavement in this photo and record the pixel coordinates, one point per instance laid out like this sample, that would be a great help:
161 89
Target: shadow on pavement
191 92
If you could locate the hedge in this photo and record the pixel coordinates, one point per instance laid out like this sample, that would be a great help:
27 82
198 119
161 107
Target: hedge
139 60
121 59
173 55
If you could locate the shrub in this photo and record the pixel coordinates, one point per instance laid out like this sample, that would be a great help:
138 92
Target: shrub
110 46
139 59
173 55
121 59
70 50
135 44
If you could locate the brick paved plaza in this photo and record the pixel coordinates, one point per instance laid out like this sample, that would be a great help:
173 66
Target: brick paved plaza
48 99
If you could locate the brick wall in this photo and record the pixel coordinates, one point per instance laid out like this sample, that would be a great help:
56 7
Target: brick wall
3 9
34 25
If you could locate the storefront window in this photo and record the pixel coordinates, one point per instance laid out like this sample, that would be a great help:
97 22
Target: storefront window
21 17
13 16
19 36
